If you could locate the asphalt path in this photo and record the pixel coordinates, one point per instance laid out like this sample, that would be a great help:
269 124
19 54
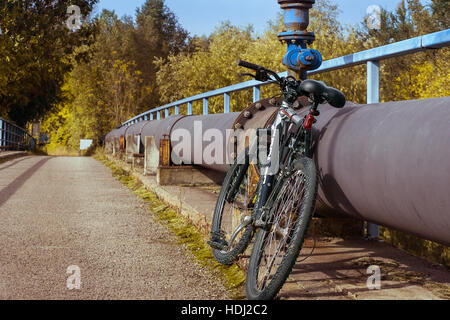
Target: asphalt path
69 230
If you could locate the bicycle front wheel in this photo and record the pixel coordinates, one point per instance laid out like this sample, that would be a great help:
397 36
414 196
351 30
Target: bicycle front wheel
277 247
234 204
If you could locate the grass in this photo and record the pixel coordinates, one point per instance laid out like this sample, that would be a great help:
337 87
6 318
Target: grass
232 276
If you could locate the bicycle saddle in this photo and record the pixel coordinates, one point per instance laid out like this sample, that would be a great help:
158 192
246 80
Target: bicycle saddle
333 96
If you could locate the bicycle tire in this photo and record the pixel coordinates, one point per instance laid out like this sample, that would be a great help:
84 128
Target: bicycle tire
256 288
227 257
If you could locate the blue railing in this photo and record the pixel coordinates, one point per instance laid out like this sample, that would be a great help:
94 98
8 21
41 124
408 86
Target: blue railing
370 57
13 137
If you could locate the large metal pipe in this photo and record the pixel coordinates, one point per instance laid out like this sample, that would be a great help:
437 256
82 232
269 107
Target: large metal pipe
388 163
193 131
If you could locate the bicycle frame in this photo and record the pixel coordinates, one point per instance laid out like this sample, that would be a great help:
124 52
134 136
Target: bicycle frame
293 144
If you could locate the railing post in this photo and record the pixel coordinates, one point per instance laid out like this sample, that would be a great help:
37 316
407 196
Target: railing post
189 110
226 103
7 134
151 116
166 113
1 135
205 105
177 110
256 93
158 115
373 96
15 132
373 82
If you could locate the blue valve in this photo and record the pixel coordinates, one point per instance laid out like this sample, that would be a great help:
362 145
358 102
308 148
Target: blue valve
296 19
300 59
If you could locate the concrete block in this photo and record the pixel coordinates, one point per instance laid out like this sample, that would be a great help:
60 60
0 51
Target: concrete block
188 176
151 160
116 146
138 161
132 147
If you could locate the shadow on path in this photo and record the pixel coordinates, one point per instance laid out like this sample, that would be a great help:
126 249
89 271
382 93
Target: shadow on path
13 163
12 188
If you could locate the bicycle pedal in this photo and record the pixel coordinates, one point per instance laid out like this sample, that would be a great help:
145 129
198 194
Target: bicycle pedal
217 245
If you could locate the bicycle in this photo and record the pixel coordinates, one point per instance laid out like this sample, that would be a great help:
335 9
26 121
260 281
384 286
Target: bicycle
276 210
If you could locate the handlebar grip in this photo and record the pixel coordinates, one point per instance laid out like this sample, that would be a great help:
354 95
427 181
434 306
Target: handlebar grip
334 97
248 65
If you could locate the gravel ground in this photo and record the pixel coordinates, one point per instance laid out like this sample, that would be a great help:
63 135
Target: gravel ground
57 212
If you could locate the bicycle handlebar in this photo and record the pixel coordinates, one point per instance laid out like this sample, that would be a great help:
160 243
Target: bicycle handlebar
249 65
306 87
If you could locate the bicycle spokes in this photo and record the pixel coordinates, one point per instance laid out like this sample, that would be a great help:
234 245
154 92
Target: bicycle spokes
284 217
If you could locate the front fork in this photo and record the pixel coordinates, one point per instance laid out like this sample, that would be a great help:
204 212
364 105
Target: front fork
260 215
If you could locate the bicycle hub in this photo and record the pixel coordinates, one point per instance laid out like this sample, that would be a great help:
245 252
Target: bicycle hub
296 19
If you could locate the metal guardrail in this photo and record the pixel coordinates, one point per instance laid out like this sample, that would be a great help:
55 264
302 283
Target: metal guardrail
13 137
370 57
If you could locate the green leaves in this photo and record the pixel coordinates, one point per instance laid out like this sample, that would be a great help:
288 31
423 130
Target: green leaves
33 46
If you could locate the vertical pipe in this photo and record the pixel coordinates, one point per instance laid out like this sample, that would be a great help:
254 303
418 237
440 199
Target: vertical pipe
256 93
226 103
373 96
205 105
189 110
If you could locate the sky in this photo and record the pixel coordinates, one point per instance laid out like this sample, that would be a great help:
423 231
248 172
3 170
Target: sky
201 17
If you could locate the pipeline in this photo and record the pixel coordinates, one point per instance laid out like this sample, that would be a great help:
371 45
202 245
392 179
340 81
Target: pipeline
386 163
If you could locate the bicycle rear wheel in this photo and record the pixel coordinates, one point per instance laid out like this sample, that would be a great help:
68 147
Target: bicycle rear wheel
234 204
277 247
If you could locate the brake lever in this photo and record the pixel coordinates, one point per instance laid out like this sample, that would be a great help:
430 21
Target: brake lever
261 75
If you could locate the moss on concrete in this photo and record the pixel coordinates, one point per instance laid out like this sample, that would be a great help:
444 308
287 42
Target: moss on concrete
232 276
427 249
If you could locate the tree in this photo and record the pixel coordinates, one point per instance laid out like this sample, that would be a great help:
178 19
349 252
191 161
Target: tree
34 48
412 76
187 74
156 36
118 80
